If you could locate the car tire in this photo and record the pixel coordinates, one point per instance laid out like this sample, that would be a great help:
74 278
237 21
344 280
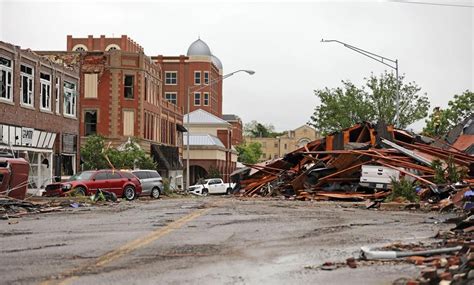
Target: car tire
229 191
79 191
204 192
129 193
155 193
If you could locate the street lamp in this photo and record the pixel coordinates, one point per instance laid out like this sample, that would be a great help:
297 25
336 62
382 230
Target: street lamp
196 89
388 62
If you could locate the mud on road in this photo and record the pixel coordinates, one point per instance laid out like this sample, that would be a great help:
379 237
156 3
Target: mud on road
208 240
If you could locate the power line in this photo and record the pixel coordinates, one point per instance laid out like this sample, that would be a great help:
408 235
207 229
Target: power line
432 3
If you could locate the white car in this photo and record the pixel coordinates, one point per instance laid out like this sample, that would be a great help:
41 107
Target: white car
211 186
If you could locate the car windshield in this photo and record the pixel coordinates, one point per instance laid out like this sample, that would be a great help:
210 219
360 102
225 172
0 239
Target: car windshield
86 175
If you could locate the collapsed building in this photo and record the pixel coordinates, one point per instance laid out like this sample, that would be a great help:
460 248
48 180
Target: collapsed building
359 162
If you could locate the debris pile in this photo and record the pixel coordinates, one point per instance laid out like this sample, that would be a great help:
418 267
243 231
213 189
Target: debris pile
13 208
360 163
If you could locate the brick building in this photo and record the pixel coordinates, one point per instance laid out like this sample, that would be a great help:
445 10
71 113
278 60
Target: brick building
39 113
121 98
237 128
193 74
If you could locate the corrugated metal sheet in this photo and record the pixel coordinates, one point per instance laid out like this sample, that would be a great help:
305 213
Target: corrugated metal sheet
202 139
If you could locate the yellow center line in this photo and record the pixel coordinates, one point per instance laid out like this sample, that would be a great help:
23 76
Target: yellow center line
68 276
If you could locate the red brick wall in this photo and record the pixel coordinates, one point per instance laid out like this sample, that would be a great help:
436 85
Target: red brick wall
100 44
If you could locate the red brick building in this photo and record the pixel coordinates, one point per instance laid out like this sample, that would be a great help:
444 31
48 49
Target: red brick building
196 74
121 98
39 113
237 128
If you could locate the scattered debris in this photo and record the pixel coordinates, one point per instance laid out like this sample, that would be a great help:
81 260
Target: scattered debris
366 162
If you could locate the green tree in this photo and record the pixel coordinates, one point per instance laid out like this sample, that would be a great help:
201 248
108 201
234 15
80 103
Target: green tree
441 121
344 106
129 156
92 152
257 130
249 153
214 173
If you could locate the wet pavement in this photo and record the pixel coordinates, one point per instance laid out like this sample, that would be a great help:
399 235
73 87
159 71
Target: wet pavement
206 240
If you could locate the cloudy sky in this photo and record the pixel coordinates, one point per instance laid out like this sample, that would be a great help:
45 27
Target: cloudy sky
279 40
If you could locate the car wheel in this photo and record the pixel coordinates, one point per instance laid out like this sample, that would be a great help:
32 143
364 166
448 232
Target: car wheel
204 192
80 191
229 190
155 193
129 193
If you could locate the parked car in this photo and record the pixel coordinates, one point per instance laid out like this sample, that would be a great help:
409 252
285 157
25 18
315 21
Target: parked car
211 186
152 183
123 184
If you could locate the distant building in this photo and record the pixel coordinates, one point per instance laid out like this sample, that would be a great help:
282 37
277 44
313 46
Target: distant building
273 148
39 113
121 98
210 146
236 123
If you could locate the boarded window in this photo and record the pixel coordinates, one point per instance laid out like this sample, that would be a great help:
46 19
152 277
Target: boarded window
90 85
128 123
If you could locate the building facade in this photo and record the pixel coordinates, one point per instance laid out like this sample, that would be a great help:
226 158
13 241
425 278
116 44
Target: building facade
210 144
273 148
197 76
39 113
121 98
237 128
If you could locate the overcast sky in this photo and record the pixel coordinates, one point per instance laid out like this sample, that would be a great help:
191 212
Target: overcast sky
280 41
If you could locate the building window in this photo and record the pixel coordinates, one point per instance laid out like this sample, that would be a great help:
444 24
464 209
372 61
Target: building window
90 122
128 86
197 77
6 79
27 87
112 47
171 97
171 78
206 99
206 77
197 99
286 146
276 145
80 48
57 95
45 96
70 99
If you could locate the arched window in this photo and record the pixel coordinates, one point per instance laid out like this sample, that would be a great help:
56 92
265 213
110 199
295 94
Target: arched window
79 47
112 47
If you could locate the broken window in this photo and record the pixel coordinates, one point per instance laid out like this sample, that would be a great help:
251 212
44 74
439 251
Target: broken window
45 96
57 94
206 77
128 86
70 98
6 79
206 99
90 122
27 87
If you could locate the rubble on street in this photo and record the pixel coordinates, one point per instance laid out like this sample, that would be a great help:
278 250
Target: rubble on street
360 163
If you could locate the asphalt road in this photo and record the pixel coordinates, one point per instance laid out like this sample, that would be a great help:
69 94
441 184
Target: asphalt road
206 240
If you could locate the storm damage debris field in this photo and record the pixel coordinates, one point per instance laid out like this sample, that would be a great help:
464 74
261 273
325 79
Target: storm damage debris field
210 240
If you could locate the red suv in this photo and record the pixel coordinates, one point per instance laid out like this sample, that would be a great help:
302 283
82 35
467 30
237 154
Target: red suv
122 183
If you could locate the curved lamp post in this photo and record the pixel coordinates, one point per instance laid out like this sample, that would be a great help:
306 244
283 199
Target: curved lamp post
196 89
388 62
